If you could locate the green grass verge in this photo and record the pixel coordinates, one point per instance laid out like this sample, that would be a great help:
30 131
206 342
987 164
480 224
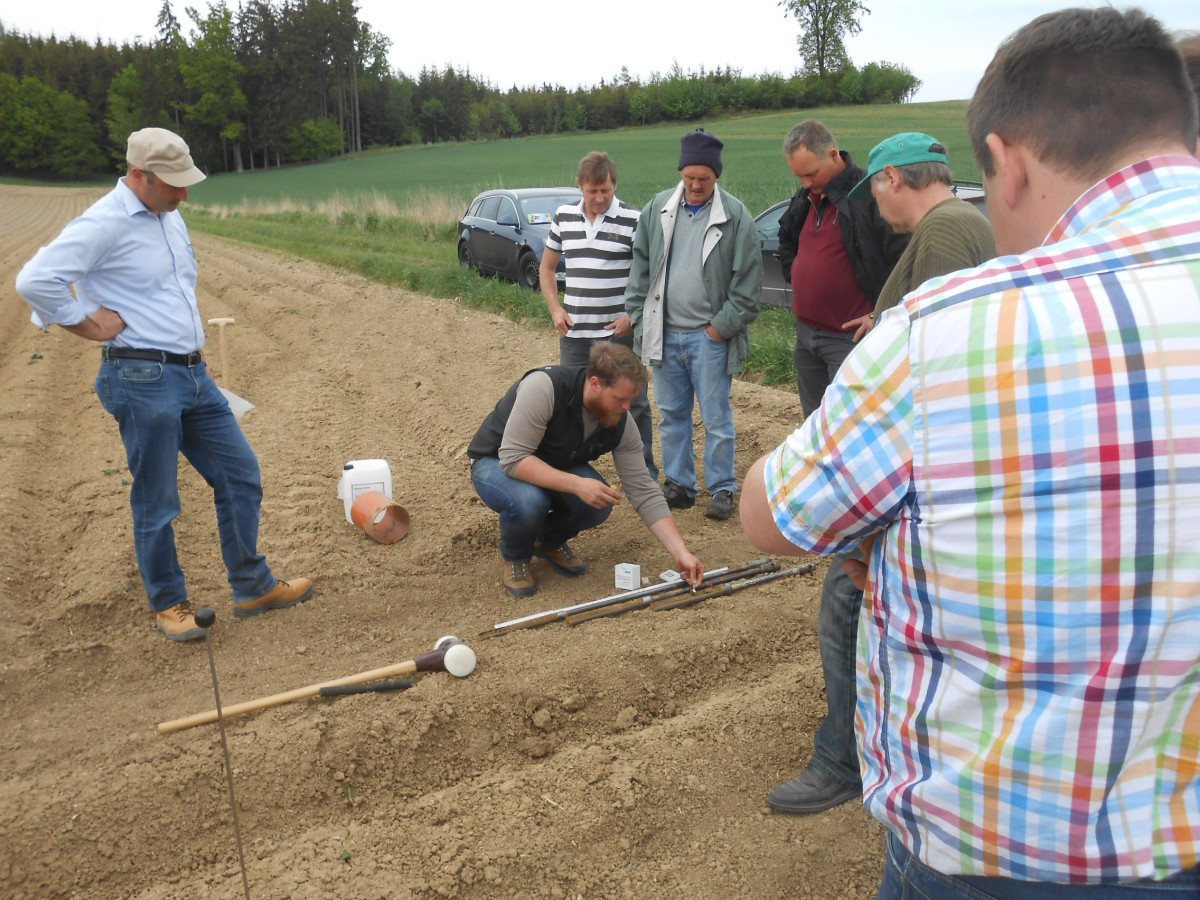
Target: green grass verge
389 215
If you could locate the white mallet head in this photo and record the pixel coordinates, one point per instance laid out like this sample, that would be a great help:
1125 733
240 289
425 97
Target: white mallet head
459 659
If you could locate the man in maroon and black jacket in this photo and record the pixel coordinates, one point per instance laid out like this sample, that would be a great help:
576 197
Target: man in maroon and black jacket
837 253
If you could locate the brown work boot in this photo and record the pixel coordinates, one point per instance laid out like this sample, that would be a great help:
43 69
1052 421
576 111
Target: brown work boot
563 559
284 594
518 580
178 622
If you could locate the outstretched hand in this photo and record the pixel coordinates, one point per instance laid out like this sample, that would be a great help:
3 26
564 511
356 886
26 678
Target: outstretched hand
690 568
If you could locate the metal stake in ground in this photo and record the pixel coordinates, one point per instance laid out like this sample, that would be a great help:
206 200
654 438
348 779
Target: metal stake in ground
205 618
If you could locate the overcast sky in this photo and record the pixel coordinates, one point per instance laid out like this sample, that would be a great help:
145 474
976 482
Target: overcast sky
579 43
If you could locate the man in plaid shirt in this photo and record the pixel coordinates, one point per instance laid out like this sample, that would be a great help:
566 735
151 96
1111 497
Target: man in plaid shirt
1016 447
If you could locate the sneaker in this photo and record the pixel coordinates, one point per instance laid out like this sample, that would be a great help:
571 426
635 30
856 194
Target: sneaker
518 580
283 595
178 622
721 506
812 791
562 558
677 497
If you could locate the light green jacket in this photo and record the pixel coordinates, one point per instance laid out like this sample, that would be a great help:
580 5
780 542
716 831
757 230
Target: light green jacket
732 257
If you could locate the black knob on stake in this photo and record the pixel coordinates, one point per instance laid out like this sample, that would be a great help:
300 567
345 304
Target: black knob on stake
205 617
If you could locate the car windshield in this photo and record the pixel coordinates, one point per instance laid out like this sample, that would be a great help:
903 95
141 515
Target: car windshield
540 210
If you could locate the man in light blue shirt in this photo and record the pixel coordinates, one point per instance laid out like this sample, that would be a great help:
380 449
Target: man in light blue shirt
131 263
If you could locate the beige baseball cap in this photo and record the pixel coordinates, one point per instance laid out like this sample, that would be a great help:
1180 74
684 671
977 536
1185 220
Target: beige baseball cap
165 154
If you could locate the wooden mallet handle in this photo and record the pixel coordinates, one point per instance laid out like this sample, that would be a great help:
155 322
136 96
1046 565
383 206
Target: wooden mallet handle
221 323
433 661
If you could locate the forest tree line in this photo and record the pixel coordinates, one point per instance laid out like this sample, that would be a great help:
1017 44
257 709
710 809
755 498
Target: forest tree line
272 83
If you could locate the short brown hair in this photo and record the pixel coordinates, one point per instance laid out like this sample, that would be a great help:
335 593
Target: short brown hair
811 134
1082 87
611 362
597 168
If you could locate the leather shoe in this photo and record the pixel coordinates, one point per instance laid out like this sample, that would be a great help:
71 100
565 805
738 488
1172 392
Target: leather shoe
518 580
721 507
562 558
677 497
284 594
812 791
178 622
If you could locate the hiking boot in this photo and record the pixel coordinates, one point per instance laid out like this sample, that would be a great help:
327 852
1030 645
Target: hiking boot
518 580
178 622
284 594
812 791
563 559
721 507
677 497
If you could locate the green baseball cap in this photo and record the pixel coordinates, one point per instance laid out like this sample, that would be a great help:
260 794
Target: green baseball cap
898 150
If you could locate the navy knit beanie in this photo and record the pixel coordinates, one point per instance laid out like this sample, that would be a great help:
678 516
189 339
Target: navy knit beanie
699 148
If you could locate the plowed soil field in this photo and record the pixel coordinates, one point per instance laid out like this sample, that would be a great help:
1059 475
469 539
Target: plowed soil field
627 757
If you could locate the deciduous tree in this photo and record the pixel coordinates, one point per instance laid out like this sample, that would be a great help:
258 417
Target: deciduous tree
823 27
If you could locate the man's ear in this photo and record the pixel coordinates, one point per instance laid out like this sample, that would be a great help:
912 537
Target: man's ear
1009 163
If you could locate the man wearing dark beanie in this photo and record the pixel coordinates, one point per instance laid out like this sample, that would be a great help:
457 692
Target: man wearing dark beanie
693 291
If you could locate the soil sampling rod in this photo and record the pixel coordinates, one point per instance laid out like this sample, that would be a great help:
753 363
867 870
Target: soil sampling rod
617 609
557 615
660 605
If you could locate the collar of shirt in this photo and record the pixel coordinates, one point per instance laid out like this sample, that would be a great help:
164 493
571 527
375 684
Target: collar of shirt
612 207
1105 197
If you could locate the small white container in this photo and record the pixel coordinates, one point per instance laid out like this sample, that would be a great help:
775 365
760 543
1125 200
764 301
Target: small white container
360 476
628 576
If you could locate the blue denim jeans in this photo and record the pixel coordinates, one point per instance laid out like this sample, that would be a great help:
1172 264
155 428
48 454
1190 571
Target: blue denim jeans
162 410
835 748
818 355
529 513
906 878
694 370
574 352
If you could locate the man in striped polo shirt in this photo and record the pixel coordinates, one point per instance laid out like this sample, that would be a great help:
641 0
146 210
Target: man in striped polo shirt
596 237
1016 450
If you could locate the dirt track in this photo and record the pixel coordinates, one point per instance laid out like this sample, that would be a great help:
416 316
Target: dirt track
626 757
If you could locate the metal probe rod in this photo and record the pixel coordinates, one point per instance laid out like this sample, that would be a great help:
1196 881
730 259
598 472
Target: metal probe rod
205 618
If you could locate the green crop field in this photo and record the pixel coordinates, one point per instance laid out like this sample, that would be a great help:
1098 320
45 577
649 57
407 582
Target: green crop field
390 215
646 157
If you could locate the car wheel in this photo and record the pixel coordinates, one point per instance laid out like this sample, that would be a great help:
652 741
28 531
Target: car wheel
464 255
527 268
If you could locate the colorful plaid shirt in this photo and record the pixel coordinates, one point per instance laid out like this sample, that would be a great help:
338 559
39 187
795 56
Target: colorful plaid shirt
1024 439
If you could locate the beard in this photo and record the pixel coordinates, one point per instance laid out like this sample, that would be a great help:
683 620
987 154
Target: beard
609 420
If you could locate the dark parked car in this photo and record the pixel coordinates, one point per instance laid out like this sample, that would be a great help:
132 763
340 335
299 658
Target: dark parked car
777 292
504 232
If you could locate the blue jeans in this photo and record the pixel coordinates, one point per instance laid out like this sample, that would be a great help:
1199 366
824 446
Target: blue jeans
694 369
574 352
907 878
835 748
529 513
818 355
162 410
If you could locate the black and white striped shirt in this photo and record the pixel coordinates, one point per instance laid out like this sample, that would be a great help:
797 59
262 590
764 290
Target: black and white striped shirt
598 256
